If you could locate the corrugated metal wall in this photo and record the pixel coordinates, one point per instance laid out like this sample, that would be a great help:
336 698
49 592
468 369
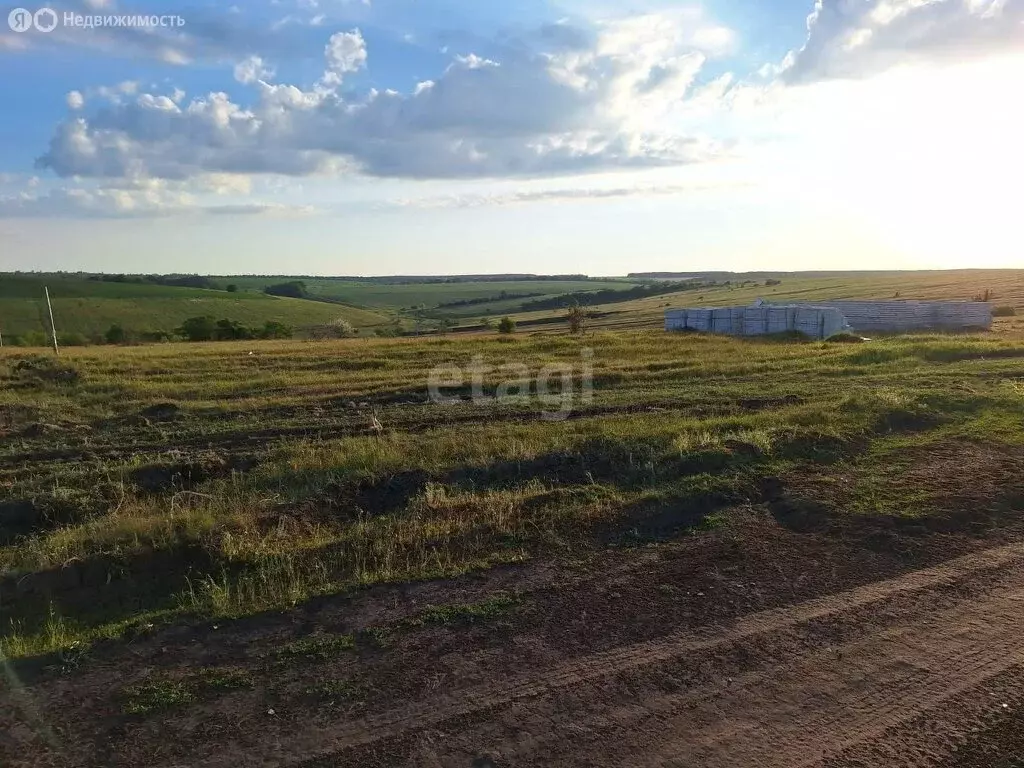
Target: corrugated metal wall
913 315
821 320
817 322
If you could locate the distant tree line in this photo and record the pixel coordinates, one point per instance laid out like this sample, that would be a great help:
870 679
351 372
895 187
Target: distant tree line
204 328
173 281
486 299
610 295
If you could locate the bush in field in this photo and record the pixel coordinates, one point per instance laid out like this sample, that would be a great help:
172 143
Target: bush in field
198 328
231 330
577 319
339 328
507 325
72 339
275 330
1004 311
116 335
231 288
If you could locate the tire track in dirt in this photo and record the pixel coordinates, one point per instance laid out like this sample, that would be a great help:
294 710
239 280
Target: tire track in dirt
572 675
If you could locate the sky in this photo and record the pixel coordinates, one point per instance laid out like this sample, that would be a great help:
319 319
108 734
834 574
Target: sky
373 137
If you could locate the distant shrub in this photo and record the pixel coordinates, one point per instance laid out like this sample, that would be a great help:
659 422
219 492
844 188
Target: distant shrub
116 335
577 319
340 328
231 330
507 325
294 289
231 288
72 339
1004 311
772 281
272 329
198 328
35 339
985 295
155 336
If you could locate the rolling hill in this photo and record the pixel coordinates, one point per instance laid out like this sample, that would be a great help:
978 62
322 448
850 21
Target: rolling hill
88 308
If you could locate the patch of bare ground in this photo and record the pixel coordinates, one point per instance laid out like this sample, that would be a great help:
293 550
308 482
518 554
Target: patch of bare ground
368 682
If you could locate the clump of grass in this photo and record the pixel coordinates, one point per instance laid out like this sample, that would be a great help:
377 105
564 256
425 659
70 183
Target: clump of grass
317 648
163 693
39 371
145 698
465 614
223 679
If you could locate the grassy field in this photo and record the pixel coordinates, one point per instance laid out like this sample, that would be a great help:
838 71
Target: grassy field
1006 287
270 547
172 483
393 297
89 308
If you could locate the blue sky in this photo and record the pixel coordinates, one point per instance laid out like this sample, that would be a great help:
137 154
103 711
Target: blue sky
447 136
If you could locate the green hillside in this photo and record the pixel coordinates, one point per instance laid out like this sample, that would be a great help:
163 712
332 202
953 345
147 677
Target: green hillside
426 295
89 307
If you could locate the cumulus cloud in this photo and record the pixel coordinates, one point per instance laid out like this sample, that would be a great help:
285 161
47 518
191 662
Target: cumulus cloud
345 52
251 69
573 102
858 38
75 100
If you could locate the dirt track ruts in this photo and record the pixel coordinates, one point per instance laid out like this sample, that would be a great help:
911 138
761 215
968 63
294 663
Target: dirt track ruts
785 712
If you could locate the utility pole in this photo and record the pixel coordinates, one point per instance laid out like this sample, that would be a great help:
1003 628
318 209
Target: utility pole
53 326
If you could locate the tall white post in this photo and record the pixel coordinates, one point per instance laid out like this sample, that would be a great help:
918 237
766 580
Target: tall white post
53 326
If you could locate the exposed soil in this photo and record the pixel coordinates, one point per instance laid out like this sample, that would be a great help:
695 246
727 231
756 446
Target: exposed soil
756 643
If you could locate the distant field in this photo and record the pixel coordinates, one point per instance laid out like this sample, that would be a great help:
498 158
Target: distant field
88 307
428 295
1006 287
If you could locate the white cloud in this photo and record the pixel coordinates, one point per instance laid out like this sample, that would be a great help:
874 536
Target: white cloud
136 199
574 101
251 69
857 39
346 52
472 61
75 100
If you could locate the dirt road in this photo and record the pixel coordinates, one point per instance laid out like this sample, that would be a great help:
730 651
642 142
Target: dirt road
865 699
752 647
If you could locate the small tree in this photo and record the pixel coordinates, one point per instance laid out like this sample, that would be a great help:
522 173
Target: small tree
576 318
198 328
341 328
116 334
272 329
232 288
507 325
231 330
